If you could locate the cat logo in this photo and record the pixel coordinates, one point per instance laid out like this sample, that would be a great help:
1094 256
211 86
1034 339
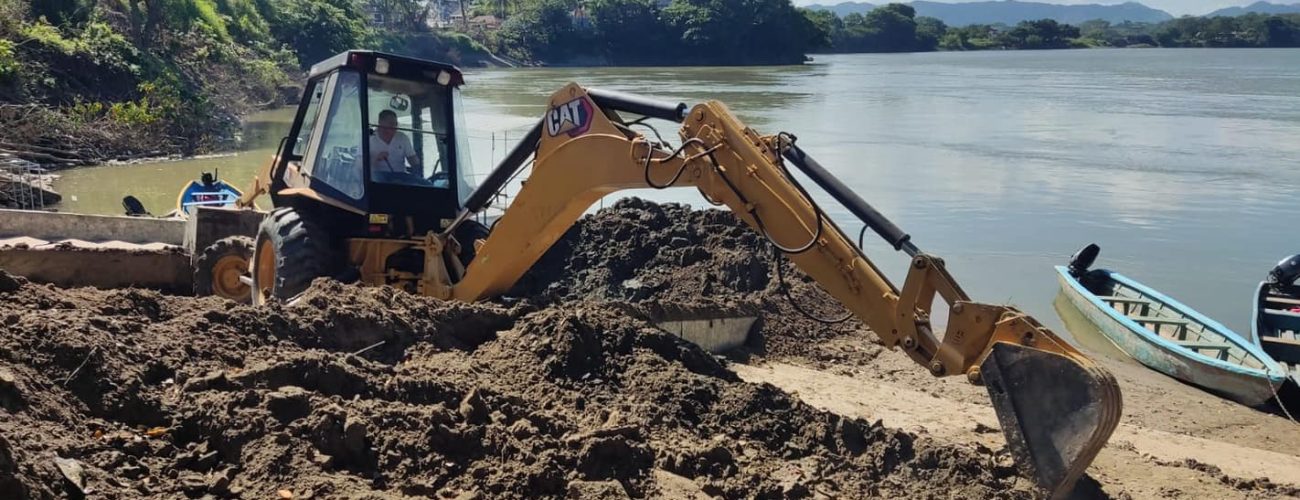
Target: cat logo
573 118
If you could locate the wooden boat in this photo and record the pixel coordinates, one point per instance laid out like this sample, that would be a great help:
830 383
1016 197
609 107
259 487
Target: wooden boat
208 191
1170 337
1275 325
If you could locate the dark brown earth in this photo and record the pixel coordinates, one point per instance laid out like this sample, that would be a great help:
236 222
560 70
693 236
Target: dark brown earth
564 388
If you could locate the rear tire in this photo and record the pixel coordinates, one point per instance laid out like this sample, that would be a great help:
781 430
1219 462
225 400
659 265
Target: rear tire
290 252
219 266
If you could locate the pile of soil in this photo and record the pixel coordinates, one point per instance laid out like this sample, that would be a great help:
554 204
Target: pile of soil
666 255
354 391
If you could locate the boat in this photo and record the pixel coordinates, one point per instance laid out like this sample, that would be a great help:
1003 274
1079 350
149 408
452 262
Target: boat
1275 325
207 191
1168 336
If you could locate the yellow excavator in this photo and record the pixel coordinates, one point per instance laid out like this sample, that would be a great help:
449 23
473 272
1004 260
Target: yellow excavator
372 184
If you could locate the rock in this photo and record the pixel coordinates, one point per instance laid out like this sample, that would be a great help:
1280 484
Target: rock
354 437
206 461
10 283
322 460
7 463
596 489
284 494
472 408
212 381
72 471
133 471
11 396
219 482
289 403
193 483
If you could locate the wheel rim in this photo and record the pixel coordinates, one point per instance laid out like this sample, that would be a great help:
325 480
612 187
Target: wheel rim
225 277
264 272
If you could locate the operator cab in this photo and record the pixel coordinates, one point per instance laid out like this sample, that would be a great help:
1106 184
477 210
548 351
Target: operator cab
380 136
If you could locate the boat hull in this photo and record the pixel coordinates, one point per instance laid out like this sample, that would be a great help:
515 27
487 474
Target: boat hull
1252 388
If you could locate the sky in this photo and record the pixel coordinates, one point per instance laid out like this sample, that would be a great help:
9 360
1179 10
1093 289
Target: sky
1175 7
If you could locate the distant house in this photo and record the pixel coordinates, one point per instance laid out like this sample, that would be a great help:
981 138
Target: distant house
580 17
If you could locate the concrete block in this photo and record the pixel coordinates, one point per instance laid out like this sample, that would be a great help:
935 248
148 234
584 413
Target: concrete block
209 224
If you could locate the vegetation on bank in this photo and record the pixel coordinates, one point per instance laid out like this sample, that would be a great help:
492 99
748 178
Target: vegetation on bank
641 32
88 80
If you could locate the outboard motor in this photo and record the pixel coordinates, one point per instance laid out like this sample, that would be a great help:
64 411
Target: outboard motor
133 207
1083 259
1285 272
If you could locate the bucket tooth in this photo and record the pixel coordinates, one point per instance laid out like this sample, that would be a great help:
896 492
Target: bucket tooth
1056 411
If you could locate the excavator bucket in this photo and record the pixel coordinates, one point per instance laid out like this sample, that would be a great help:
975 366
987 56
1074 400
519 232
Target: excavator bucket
1056 411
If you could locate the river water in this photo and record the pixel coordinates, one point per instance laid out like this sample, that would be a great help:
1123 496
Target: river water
1181 164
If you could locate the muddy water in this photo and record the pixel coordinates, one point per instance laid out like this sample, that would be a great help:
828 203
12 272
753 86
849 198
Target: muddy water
1179 163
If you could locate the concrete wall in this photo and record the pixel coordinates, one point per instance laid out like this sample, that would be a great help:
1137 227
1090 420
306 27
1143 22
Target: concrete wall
101 268
56 226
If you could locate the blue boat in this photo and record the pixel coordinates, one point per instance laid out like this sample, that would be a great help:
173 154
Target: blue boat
209 192
1170 337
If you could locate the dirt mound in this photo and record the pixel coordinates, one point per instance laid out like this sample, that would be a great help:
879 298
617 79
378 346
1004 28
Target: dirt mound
372 392
641 252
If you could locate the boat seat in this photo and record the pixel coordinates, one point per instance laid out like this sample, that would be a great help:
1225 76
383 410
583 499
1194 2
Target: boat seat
1160 320
1220 348
1283 300
1130 304
1201 344
1285 320
1130 300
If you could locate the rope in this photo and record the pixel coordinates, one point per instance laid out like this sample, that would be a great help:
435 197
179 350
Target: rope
1278 398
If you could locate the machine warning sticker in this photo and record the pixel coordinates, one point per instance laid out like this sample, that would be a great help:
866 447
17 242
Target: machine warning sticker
573 118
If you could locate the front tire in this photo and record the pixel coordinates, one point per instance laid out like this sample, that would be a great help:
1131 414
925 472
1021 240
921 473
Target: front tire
291 251
219 267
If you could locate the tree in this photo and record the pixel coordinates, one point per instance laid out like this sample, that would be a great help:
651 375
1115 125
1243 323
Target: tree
543 30
892 28
630 32
928 33
318 29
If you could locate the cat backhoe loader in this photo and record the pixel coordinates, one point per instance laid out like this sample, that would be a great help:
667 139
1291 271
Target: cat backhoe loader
345 210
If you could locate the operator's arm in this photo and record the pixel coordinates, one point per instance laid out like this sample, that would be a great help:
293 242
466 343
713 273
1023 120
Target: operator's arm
1057 408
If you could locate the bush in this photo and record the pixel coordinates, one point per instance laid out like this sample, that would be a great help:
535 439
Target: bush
9 64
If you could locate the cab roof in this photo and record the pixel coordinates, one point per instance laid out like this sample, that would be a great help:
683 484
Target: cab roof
365 60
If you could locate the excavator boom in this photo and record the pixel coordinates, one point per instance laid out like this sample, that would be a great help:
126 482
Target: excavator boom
1056 407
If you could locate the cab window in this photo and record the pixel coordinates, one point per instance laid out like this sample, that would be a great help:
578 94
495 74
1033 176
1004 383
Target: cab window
408 132
337 162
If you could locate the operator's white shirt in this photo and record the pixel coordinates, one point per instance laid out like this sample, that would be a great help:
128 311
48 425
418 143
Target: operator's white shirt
398 149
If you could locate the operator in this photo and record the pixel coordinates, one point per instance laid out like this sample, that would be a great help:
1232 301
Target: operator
390 150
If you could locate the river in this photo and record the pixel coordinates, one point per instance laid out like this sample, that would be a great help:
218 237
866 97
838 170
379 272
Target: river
1181 163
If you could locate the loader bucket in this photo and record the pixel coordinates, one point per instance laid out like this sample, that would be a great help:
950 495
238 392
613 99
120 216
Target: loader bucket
1056 411
714 327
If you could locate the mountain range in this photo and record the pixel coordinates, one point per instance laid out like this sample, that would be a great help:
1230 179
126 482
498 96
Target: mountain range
1258 8
1012 11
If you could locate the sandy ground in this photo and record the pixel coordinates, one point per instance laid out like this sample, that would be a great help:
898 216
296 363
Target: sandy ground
1174 441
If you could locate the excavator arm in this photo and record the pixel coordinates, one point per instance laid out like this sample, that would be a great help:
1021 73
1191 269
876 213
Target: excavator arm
1057 408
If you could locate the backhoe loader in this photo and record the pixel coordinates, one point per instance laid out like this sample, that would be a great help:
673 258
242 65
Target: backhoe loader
343 209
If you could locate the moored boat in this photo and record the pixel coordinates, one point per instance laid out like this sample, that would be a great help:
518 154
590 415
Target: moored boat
209 191
1168 336
1275 325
